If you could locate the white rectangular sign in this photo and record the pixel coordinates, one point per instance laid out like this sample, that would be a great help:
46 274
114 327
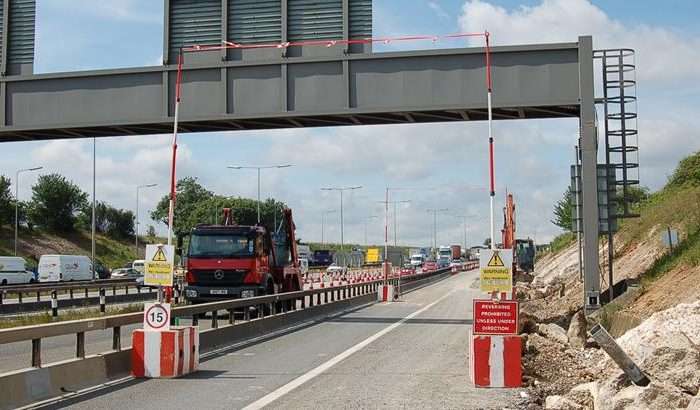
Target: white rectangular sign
496 270
159 266
156 316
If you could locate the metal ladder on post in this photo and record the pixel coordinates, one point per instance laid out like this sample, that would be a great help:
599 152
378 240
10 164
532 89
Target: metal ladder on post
619 103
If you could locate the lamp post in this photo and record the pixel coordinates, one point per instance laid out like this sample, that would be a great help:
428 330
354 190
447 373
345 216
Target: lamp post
258 168
17 201
464 221
341 190
138 188
435 216
323 223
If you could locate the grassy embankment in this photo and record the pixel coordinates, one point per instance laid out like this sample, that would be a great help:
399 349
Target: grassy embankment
32 244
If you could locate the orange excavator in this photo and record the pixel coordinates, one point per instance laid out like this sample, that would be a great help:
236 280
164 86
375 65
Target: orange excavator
523 249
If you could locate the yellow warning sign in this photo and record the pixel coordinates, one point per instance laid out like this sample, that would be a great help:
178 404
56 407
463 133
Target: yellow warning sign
496 270
160 255
159 266
496 260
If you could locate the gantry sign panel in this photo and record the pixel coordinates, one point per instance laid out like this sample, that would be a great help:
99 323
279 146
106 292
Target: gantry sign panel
447 85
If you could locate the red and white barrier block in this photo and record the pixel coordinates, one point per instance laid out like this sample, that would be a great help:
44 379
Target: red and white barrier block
385 293
495 361
165 353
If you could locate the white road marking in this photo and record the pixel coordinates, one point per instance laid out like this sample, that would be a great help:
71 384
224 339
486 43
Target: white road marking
289 387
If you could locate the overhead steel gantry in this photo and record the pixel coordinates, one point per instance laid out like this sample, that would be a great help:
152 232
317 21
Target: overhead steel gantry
230 90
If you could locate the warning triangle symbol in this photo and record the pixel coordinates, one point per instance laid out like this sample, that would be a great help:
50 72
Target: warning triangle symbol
496 261
160 256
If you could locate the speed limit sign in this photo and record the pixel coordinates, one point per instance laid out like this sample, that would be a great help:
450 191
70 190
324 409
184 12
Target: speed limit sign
156 316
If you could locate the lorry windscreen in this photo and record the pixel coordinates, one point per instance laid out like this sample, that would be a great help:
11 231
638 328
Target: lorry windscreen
221 246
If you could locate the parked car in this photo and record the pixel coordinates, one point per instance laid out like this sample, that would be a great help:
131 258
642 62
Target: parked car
430 266
13 271
126 273
456 263
336 269
139 265
55 268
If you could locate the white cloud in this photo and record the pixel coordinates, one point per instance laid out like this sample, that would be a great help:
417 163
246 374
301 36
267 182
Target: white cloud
119 169
663 55
437 8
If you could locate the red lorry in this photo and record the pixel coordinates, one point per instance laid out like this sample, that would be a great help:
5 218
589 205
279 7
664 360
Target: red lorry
230 261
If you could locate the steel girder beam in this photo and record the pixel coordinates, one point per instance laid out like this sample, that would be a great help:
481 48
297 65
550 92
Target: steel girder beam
533 81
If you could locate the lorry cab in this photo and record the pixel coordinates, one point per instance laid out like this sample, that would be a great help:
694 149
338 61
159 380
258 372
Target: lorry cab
240 261
227 262
417 260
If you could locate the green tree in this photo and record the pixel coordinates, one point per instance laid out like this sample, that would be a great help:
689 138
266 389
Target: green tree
635 194
563 211
113 222
56 202
190 194
151 233
7 202
197 205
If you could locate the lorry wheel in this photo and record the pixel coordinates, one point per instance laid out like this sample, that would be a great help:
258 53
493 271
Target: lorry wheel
4 282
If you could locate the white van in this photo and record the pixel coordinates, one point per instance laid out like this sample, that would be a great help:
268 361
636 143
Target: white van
54 268
13 270
139 265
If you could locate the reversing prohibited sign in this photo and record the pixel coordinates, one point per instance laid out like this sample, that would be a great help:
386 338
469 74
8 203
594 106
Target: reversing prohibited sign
495 317
156 316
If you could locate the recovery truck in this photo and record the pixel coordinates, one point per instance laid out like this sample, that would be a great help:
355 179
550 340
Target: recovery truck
230 261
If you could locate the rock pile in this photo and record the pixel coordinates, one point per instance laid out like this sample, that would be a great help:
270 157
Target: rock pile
666 347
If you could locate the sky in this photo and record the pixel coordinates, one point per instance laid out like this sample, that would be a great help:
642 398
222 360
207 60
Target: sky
435 166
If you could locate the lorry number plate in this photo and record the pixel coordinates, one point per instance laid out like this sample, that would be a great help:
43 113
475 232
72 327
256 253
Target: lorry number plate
219 292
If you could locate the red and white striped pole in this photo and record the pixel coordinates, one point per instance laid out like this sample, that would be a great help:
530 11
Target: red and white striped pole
492 178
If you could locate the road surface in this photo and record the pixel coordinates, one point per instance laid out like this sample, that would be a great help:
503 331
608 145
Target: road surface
410 354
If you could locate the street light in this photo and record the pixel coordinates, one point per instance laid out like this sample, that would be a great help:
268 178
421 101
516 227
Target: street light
464 219
138 188
435 214
17 201
367 219
323 222
258 168
341 190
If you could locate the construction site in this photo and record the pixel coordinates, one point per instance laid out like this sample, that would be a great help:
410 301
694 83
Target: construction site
397 154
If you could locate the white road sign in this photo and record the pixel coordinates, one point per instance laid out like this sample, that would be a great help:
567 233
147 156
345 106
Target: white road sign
156 316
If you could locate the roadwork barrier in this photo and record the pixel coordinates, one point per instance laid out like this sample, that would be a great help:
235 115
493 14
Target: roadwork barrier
47 296
232 322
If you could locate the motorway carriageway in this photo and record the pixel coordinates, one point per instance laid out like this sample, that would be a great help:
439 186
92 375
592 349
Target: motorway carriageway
409 354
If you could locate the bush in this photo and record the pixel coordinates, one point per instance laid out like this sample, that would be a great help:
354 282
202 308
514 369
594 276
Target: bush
687 172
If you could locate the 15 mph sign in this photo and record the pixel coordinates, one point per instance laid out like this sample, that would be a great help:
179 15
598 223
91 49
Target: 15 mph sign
156 316
495 318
